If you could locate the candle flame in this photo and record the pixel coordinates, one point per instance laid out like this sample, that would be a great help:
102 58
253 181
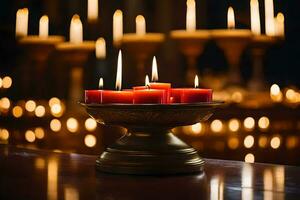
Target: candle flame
147 82
119 72
190 15
255 18
100 48
196 81
154 70
140 25
76 32
101 83
117 25
44 26
230 18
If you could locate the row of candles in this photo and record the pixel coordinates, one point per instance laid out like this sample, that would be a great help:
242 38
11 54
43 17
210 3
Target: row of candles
151 93
273 26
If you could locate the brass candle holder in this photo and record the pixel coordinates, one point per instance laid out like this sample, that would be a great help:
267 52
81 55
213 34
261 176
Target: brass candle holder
232 42
140 48
38 50
75 56
149 146
191 45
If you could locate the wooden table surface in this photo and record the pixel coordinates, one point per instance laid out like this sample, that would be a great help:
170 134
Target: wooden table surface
35 174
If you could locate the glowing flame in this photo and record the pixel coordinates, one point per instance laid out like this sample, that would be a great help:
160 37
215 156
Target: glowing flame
100 83
230 18
119 72
196 81
154 70
147 82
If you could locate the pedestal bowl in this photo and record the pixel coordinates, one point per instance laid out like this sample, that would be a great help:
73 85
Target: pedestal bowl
149 146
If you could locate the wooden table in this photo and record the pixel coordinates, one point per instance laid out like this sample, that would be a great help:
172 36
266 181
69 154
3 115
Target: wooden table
34 174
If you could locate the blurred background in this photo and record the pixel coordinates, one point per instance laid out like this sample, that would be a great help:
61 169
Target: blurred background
260 122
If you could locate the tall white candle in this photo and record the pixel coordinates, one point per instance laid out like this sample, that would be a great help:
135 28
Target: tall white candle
190 15
255 18
269 18
230 18
280 24
92 10
140 25
117 25
22 22
76 32
44 27
100 48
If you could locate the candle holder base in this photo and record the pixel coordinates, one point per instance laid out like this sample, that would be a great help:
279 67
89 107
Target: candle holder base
149 147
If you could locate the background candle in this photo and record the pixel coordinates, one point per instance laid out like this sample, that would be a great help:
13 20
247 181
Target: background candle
76 32
92 10
255 18
140 25
22 22
190 15
100 48
269 18
44 27
117 26
280 25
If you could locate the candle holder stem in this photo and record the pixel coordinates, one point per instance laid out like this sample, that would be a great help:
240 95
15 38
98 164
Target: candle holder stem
76 86
257 80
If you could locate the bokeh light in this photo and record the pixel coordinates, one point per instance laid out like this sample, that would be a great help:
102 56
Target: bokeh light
90 140
275 142
233 143
275 90
54 100
39 133
196 128
1 83
237 97
55 125
250 158
249 141
5 103
291 142
30 105
263 122
40 111
56 110
234 125
263 141
6 82
72 125
4 134
249 123
216 125
30 136
17 111
90 124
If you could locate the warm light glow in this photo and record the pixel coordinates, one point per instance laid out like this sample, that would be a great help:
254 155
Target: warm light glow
39 133
216 125
17 111
154 70
237 97
90 124
92 10
55 125
6 82
44 27
54 100
255 18
291 96
275 89
230 18
196 128
147 82
263 123
22 22
249 158
40 111
5 103
90 140
100 48
30 136
249 123
56 110
76 32
275 142
72 125
140 25
196 81
279 25
269 18
30 105
117 25
119 72
263 141
190 15
101 83
4 134
233 143
1 82
234 125
249 141
291 142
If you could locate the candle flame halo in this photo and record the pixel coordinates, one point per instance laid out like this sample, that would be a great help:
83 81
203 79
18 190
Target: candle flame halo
154 70
147 82
101 83
119 72
196 81
230 18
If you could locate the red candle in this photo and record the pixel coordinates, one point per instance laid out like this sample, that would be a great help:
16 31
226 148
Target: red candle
111 96
148 96
93 96
195 95
175 95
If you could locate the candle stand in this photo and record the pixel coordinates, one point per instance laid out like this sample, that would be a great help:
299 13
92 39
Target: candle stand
149 146
191 45
259 46
233 43
141 47
38 50
75 56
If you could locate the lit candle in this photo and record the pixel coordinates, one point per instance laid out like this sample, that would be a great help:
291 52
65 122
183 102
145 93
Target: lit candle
190 15
100 48
117 26
255 18
269 18
94 96
140 25
22 22
44 27
280 25
230 18
76 33
92 10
